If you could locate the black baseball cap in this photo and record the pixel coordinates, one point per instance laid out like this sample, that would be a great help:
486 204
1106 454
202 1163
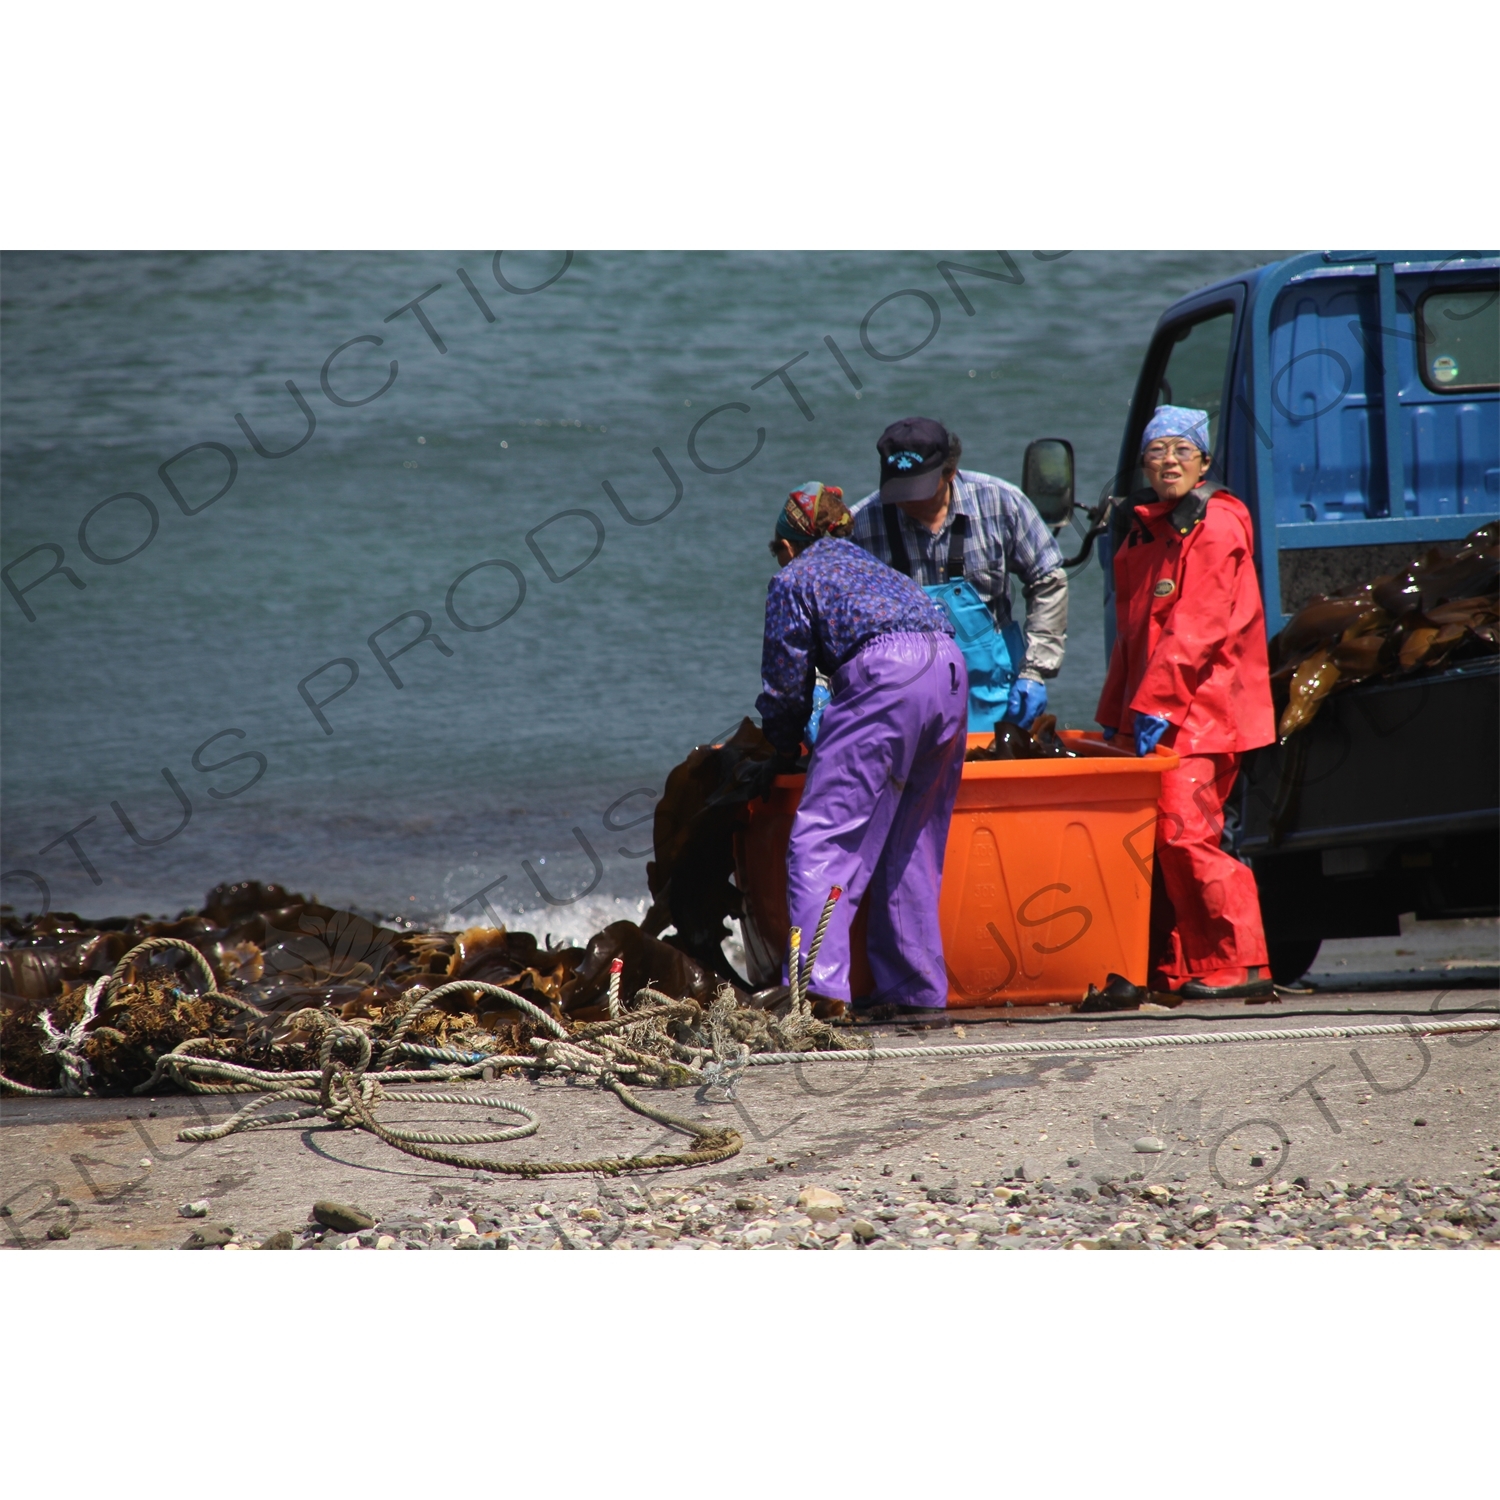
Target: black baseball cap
912 454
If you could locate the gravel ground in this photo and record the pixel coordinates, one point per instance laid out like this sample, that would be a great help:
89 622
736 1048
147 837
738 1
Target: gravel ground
929 1212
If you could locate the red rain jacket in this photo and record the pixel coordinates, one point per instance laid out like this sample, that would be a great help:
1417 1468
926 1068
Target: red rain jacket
1190 641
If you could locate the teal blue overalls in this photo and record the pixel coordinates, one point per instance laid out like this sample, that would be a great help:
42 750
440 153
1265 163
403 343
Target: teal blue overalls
992 655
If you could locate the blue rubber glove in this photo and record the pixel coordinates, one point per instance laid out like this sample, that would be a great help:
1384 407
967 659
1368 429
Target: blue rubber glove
1028 698
1108 733
1148 732
821 698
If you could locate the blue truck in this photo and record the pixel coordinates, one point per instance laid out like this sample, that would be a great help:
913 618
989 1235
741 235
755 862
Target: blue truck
1354 406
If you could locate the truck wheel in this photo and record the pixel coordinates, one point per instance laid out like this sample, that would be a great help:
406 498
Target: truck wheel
1292 958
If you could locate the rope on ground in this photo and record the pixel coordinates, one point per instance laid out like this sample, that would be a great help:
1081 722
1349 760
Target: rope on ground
1124 1043
426 999
348 1092
661 1042
350 1082
67 1044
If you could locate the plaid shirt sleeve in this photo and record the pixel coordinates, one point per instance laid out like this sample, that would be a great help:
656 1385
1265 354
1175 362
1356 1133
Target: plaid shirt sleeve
1005 514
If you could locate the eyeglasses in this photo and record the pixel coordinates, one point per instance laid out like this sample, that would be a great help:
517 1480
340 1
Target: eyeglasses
1182 452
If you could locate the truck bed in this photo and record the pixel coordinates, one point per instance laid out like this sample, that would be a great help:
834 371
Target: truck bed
1388 802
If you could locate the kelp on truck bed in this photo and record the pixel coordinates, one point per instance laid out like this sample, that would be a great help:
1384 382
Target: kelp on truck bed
1440 610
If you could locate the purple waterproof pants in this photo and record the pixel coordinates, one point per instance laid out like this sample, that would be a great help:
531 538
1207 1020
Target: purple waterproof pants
874 815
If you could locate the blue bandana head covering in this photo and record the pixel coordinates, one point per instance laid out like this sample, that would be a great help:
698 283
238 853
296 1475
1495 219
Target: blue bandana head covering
1178 421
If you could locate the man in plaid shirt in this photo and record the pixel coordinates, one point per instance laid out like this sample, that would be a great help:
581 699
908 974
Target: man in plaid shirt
1001 534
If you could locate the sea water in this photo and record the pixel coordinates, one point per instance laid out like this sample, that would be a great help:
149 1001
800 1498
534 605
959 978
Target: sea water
511 496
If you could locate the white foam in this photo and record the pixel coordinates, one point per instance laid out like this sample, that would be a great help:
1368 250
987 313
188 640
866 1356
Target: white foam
563 926
575 924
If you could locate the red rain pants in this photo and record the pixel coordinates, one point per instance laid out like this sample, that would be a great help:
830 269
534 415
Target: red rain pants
1210 917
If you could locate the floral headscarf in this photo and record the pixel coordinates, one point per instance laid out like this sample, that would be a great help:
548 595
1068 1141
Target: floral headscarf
815 510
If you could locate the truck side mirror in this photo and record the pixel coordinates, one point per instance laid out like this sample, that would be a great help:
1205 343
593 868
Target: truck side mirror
1047 478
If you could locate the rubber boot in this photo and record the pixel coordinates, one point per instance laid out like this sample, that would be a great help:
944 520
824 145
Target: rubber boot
1118 994
1230 984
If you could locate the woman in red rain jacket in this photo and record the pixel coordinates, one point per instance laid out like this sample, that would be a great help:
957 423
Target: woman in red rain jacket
1189 671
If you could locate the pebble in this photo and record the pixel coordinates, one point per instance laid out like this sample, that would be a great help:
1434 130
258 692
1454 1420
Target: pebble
982 1223
198 1210
1150 1145
210 1237
820 1204
344 1217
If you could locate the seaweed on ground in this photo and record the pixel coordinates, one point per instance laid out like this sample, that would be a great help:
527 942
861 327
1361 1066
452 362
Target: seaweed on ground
124 1040
284 967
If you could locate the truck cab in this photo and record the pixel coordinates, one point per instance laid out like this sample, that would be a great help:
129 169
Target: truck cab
1354 406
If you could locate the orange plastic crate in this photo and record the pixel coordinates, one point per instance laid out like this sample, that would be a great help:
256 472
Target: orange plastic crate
1046 881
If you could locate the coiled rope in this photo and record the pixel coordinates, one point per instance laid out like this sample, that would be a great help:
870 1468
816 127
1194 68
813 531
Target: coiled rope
349 1081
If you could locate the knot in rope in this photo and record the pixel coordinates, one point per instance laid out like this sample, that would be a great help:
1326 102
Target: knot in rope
67 1044
351 1079
730 1057
725 1073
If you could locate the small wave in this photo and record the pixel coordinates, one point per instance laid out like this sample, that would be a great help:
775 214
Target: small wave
574 925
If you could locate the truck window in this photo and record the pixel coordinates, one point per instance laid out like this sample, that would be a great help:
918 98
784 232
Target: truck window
1191 359
1460 333
1196 360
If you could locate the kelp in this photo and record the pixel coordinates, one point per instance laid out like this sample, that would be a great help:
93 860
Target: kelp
310 960
690 877
1011 742
1441 609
